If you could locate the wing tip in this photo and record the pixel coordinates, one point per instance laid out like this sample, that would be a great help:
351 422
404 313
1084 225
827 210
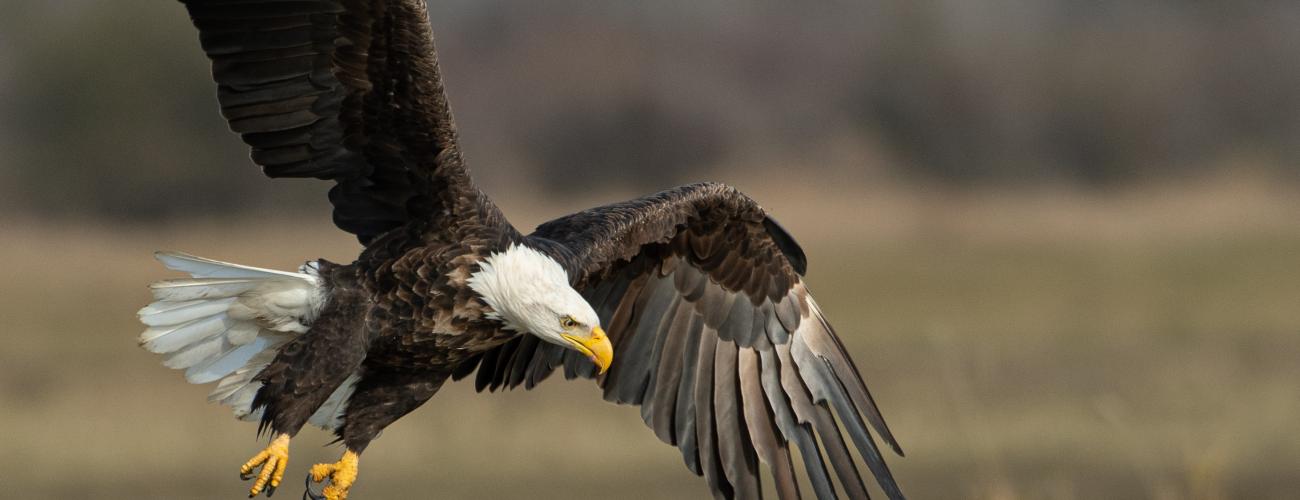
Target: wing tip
893 445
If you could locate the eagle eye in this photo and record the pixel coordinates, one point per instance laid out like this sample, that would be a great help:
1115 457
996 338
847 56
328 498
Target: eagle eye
568 322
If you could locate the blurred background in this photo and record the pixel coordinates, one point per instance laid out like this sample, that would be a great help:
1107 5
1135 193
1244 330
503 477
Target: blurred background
1061 237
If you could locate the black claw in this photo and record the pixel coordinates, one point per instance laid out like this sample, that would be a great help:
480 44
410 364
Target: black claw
244 476
307 493
270 490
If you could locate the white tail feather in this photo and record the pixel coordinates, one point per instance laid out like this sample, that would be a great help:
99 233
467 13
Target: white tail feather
171 338
228 322
200 267
175 313
201 288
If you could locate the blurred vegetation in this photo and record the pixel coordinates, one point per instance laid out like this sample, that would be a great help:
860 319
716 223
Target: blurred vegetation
106 108
1027 348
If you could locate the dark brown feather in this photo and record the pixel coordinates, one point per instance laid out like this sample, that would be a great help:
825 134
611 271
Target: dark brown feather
735 453
668 376
768 445
705 436
684 415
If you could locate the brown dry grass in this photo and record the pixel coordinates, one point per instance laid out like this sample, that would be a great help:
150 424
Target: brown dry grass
1049 345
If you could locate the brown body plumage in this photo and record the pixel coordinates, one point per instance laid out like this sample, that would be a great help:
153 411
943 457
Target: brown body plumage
713 332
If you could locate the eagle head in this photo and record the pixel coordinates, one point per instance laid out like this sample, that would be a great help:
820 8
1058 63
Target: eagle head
529 292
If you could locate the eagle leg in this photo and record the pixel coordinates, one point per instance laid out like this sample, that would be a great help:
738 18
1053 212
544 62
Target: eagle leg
341 475
272 460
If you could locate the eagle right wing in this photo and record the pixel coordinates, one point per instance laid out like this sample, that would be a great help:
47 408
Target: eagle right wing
346 90
715 337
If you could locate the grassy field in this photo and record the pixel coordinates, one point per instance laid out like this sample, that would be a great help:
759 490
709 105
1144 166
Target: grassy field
1136 345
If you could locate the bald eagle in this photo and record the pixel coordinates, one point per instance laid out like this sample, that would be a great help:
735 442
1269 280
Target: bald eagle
689 303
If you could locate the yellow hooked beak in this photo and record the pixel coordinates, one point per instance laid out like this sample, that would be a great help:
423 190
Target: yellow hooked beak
597 347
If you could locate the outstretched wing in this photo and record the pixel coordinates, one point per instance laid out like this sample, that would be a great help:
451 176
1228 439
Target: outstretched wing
715 337
346 90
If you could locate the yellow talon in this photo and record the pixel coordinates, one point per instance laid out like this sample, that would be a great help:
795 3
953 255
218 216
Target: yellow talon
341 475
272 461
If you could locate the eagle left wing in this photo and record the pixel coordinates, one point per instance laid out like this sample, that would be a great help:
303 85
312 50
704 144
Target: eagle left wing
715 337
345 90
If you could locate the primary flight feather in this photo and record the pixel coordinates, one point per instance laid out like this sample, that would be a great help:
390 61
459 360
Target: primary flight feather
689 303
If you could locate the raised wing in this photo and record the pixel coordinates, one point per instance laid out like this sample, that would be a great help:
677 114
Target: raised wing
346 90
715 337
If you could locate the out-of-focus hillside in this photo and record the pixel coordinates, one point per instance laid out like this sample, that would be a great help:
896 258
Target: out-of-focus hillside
106 108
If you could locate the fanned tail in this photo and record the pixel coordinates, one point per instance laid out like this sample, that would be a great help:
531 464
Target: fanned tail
227 323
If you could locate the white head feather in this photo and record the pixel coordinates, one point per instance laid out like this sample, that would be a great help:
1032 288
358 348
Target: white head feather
530 292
